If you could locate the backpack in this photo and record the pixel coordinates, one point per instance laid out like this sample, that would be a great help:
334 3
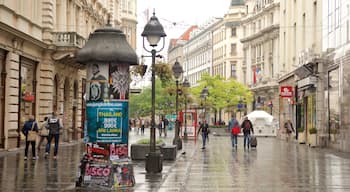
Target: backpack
247 126
53 125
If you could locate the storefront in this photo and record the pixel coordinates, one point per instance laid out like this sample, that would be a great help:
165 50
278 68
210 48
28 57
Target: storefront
27 84
286 104
306 105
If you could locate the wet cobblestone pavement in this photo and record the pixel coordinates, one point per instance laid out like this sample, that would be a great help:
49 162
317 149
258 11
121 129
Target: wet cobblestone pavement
274 166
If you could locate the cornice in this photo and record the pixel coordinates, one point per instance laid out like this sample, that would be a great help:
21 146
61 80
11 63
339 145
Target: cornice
260 13
261 33
22 35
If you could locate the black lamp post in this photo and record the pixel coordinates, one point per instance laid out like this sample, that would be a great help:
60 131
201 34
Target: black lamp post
153 32
177 70
186 83
204 95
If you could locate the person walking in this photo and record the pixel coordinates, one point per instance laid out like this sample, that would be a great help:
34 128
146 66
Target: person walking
289 129
43 133
204 127
142 126
54 125
247 127
30 130
233 124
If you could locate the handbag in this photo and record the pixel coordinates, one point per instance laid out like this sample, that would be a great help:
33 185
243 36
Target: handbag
31 134
44 131
235 130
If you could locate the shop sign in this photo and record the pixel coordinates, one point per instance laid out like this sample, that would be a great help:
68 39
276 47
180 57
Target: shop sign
286 91
308 81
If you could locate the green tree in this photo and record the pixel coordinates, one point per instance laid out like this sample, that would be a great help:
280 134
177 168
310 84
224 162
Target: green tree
222 93
140 104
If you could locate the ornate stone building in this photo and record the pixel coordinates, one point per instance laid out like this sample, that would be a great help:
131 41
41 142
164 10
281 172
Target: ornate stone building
260 40
38 43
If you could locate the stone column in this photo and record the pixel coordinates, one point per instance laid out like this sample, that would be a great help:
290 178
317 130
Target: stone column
12 121
321 123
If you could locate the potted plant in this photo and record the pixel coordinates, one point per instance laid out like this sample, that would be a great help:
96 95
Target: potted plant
312 137
142 147
301 135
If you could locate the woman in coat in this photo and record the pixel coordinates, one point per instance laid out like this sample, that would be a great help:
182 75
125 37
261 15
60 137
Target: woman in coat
30 125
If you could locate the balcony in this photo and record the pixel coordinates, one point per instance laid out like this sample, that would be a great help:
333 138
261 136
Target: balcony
68 39
67 43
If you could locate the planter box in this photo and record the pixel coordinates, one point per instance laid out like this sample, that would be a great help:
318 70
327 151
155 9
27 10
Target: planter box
301 138
312 140
169 152
139 151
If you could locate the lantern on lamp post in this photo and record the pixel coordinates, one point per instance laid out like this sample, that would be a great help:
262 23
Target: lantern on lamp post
153 32
177 71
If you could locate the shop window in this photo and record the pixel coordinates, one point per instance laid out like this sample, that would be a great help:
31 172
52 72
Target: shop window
333 103
27 86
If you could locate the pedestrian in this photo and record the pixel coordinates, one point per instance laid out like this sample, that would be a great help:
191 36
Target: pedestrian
43 133
142 126
247 127
233 123
166 123
130 124
160 127
30 130
289 128
204 127
54 125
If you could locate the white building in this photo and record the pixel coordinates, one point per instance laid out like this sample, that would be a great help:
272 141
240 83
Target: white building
261 51
198 52
301 67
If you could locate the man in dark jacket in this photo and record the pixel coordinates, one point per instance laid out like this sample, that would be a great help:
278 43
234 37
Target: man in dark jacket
204 127
247 127
29 125
54 125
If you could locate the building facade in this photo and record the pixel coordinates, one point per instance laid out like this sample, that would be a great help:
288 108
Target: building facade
39 75
261 51
198 52
336 45
175 48
301 43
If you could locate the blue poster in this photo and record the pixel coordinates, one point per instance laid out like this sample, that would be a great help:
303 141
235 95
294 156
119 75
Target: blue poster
107 122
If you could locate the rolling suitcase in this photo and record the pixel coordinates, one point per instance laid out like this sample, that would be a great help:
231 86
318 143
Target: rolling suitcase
253 141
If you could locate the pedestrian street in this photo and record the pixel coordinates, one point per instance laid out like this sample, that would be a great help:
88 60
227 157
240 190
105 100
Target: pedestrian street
274 165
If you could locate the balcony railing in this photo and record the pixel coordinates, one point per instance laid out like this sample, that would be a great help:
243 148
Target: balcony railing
69 39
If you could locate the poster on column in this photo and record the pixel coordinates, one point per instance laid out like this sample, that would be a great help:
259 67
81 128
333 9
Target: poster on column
107 122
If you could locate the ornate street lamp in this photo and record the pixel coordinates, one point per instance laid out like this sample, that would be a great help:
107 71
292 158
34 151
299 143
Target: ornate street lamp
186 83
177 70
153 32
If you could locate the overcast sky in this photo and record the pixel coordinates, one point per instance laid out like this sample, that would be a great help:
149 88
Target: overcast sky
177 16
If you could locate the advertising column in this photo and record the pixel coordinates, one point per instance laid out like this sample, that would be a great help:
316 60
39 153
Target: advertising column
105 163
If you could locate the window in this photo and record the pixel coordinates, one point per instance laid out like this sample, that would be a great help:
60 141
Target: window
337 14
233 69
233 32
271 18
330 16
233 49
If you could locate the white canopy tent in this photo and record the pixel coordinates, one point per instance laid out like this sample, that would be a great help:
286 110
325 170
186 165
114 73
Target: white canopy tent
262 123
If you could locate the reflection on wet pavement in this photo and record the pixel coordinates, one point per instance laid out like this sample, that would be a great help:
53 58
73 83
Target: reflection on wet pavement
274 166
